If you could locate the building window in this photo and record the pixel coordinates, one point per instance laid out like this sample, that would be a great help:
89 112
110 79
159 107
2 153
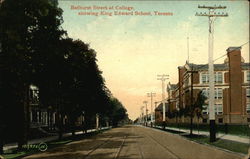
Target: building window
220 120
248 92
248 120
218 93
219 109
248 76
204 78
248 108
218 77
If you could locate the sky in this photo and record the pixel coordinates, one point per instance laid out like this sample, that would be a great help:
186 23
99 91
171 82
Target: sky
133 49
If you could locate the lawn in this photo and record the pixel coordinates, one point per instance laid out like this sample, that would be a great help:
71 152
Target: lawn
221 143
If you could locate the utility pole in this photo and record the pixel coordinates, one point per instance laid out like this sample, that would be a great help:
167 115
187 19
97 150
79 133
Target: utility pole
163 77
188 49
155 111
146 102
142 114
211 17
191 100
151 95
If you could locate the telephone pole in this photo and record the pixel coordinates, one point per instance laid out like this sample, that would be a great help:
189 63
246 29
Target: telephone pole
155 111
163 77
188 49
211 17
192 98
146 102
151 95
142 115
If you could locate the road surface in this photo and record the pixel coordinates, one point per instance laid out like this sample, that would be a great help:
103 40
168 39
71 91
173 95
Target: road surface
134 142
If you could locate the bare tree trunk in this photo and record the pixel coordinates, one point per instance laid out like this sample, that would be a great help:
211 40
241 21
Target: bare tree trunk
60 126
2 129
72 125
24 117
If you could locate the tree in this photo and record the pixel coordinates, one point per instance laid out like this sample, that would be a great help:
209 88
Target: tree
27 28
199 104
195 109
36 50
118 112
87 88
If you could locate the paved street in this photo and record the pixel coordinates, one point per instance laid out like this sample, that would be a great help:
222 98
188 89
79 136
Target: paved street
135 142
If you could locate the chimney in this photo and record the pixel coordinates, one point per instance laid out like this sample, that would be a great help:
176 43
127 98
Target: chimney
235 79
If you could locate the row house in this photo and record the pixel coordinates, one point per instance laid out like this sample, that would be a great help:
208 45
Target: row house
232 90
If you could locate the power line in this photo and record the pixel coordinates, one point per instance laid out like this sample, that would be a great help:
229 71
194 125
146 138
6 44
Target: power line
230 51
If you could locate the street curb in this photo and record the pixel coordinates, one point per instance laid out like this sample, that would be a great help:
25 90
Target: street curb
212 146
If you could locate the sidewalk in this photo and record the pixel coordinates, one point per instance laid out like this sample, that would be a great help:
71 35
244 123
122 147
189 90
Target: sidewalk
47 139
218 135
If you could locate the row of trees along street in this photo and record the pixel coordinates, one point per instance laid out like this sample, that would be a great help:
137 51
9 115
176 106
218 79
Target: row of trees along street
35 50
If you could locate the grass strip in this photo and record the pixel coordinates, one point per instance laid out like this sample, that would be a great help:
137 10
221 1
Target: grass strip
221 143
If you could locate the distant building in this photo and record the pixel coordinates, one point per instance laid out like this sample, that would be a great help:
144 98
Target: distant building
232 89
159 112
